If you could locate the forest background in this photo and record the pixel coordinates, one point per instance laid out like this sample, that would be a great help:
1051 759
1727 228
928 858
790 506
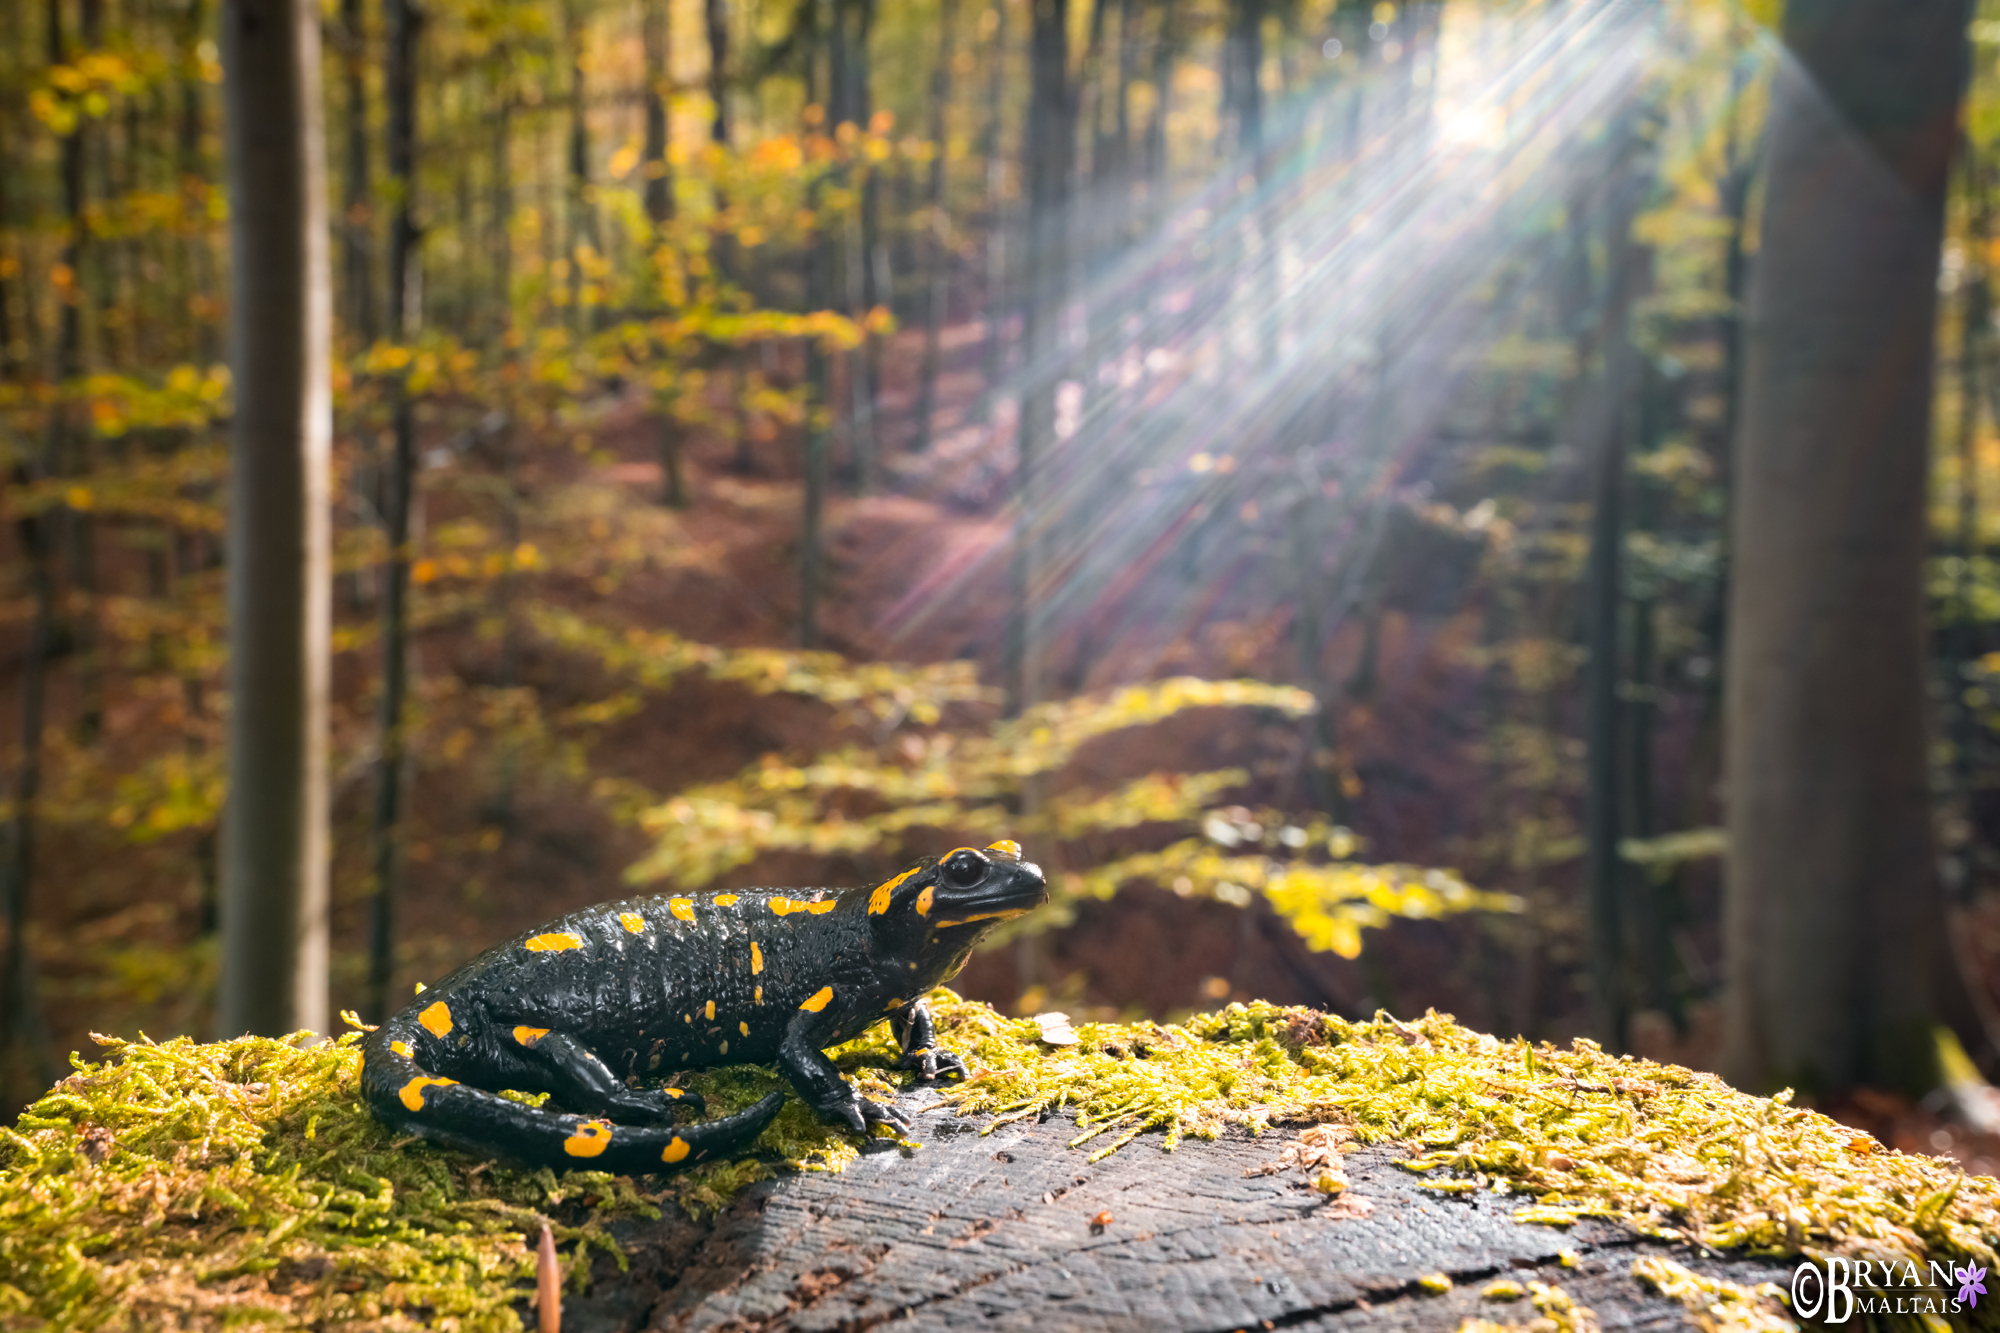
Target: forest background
1271 457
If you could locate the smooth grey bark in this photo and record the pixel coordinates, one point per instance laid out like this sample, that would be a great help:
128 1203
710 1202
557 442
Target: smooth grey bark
1834 922
274 836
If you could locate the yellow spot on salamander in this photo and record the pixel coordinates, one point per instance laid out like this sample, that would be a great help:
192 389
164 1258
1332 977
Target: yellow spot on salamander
1006 847
592 1137
786 906
744 1028
893 1004
756 959
554 941
758 995
819 999
528 1036
682 908
675 1150
708 1011
878 901
437 1019
413 1092
725 900
984 916
924 900
401 1048
633 922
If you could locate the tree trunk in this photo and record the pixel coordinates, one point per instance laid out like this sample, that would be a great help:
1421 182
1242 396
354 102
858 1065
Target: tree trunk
582 207
1834 921
658 40
935 285
400 89
819 278
1962 848
993 351
1604 425
501 238
1048 146
357 228
274 847
716 14
866 278
24 1034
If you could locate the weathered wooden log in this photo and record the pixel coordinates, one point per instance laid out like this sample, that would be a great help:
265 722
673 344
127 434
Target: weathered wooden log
1016 1230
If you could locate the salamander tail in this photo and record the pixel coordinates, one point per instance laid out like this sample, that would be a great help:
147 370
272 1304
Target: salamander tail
406 1096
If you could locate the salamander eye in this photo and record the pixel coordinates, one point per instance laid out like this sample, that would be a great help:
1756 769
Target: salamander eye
964 868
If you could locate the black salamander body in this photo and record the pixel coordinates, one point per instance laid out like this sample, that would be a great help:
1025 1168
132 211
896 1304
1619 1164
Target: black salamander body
654 985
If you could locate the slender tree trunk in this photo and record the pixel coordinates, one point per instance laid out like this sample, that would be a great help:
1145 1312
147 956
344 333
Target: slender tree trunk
868 279
937 230
582 204
31 1065
274 844
1975 308
716 15
194 181
1049 147
502 238
357 226
993 350
77 284
819 274
1649 893
657 39
13 110
1834 921
400 87
1606 411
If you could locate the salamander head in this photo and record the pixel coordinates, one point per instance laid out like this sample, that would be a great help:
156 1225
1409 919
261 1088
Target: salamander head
943 905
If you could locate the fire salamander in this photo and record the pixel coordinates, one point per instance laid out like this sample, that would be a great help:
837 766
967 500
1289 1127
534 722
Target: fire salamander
588 1005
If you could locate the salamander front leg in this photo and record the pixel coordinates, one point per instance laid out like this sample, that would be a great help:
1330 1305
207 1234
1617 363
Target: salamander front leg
918 1038
583 1081
803 1060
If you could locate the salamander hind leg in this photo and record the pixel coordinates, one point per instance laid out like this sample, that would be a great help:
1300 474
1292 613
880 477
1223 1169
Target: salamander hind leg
918 1037
581 1080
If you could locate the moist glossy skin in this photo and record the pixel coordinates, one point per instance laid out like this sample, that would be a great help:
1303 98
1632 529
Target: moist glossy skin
592 1002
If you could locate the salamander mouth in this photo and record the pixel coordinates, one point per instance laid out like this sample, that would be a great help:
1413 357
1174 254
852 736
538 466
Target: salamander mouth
1020 890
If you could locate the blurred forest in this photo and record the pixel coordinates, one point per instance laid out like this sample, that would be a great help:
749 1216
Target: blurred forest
1210 441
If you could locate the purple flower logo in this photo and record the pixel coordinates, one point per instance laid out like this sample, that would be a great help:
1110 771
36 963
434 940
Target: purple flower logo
1971 1284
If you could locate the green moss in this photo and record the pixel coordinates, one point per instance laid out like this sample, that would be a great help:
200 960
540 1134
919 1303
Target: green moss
1718 1306
1676 1154
209 1185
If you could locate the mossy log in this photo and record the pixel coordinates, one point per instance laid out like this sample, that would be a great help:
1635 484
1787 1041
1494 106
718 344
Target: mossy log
1256 1165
